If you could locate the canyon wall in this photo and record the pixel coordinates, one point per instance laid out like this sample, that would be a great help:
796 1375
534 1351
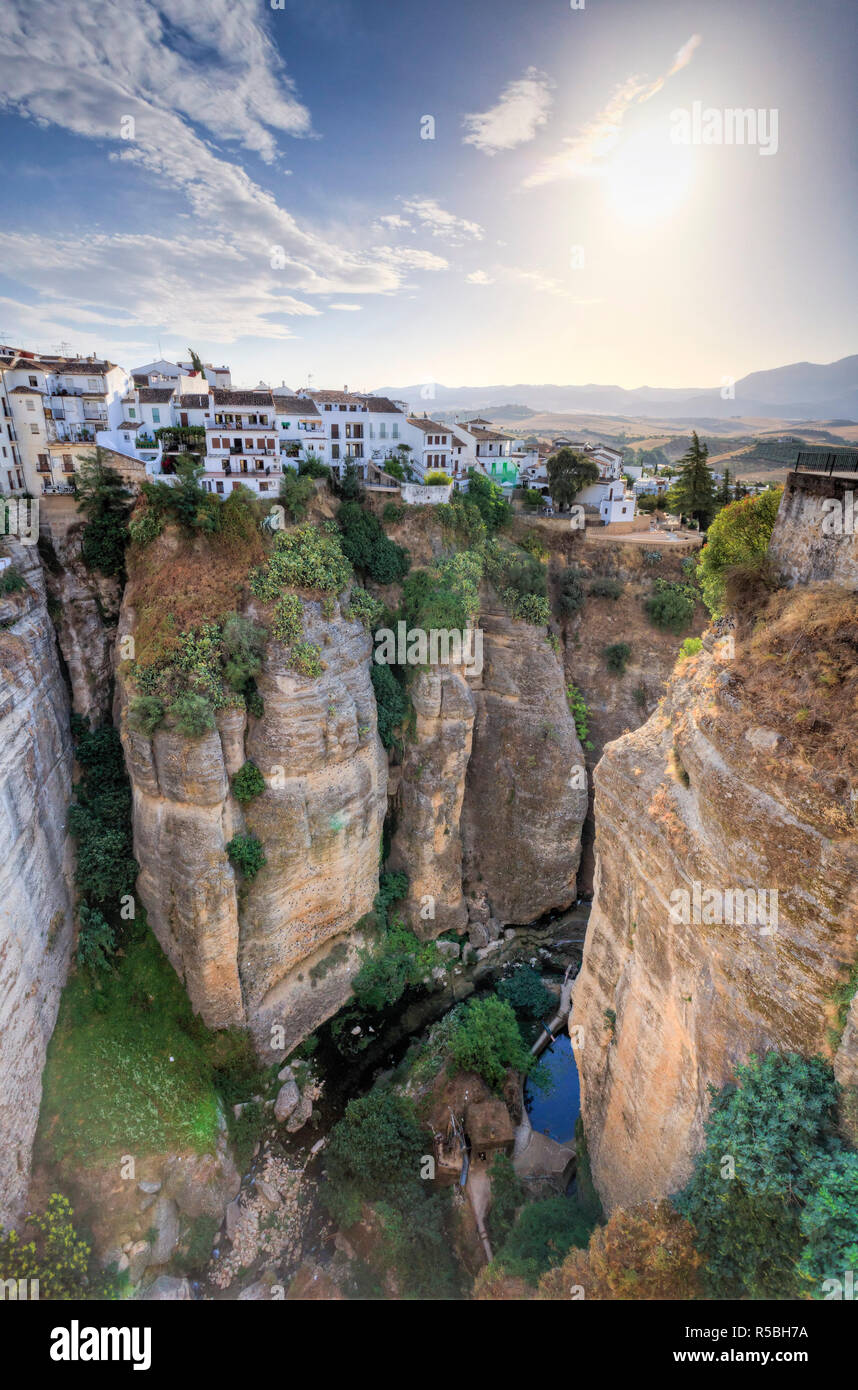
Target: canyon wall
36 919
719 790
492 794
277 950
814 535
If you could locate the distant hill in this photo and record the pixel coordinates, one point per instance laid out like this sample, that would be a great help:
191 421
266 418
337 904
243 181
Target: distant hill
800 391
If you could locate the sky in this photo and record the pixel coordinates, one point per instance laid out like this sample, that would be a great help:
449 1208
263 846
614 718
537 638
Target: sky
351 192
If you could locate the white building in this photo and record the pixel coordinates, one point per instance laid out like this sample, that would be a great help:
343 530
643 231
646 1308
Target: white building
242 446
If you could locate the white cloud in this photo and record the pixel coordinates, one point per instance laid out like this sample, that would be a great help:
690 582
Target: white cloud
479 277
520 110
432 218
392 221
170 67
346 308
581 153
510 274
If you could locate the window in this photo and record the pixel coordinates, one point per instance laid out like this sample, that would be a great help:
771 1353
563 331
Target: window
44 463
93 383
270 444
215 443
31 405
68 464
219 486
260 443
395 430
335 433
335 451
382 430
132 413
33 380
34 429
156 415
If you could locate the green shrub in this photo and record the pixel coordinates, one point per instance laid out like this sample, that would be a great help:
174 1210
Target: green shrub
580 711
312 467
544 1233
670 606
288 625
392 703
373 1153
617 657
570 593
524 990
605 588
364 543
145 713
247 854
392 512
652 557
295 493
436 478
738 536
309 557
12 581
146 525
690 647
392 888
193 715
306 657
242 650
100 819
507 1197
417 1246
96 940
489 500
829 1225
363 608
105 501
487 1040
247 783
398 963
777 1126
57 1256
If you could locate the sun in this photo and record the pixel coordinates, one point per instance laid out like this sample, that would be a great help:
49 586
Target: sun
648 178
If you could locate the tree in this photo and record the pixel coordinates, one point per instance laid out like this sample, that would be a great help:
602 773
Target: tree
767 1140
106 502
829 1224
693 493
739 536
648 503
568 473
725 491
541 1237
373 1152
644 1253
486 1039
196 363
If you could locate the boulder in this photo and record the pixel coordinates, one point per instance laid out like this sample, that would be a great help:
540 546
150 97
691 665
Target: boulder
288 1098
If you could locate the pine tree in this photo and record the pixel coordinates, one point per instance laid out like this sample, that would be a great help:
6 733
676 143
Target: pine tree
693 493
725 491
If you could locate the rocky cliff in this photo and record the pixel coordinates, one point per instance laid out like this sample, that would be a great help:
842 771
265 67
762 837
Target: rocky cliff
278 950
35 870
491 801
744 779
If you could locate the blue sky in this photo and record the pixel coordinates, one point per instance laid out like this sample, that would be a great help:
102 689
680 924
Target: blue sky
276 207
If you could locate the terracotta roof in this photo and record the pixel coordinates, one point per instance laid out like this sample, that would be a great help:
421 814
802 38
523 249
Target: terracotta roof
224 396
382 405
194 401
296 405
76 366
27 391
429 426
155 395
337 397
488 1124
487 436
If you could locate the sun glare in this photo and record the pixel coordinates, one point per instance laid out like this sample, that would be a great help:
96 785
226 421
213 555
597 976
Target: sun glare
649 177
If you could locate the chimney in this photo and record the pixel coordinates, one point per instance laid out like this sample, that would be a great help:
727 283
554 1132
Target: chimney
345 388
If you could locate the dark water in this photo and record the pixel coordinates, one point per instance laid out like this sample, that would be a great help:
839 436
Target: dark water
555 1111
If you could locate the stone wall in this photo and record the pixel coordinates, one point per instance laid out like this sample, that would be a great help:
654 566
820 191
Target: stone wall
814 534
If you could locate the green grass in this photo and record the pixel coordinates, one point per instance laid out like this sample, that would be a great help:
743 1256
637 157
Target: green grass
129 1068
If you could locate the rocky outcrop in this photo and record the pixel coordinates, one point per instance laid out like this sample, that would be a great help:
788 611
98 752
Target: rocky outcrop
814 535
36 920
85 607
677 985
525 793
492 793
275 953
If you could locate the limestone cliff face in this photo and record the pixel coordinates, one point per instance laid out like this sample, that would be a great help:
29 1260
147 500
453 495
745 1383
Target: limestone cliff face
277 951
814 535
703 793
490 806
35 870
86 606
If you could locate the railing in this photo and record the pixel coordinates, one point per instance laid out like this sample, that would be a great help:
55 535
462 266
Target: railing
827 461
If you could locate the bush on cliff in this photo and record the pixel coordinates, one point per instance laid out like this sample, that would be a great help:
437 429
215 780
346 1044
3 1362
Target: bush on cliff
391 700
247 783
487 1040
105 501
670 606
769 1140
541 1237
100 820
738 537
643 1253
309 557
364 543
524 990
373 1153
50 1250
247 854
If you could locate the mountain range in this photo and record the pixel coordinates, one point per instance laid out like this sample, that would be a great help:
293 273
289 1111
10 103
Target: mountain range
799 391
